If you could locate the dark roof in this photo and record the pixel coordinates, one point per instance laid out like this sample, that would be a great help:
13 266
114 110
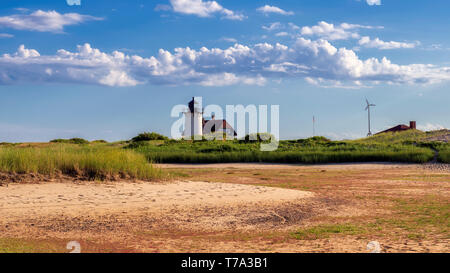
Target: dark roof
218 124
398 128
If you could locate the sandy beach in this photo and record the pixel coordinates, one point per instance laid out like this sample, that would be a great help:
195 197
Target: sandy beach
235 208
24 200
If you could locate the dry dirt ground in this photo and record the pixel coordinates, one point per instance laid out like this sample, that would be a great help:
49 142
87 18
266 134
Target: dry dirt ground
237 208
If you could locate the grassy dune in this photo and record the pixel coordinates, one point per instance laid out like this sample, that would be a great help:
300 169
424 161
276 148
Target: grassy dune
307 157
100 160
308 151
409 136
87 161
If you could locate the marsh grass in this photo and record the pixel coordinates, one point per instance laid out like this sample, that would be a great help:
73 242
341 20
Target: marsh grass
325 231
98 162
125 159
408 147
305 155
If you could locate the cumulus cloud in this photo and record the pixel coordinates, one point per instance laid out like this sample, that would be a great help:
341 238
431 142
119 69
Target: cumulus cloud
430 127
204 9
272 9
316 61
373 2
26 53
377 43
44 21
334 32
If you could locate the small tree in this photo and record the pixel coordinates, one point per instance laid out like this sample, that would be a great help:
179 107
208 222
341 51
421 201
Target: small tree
259 137
146 136
75 140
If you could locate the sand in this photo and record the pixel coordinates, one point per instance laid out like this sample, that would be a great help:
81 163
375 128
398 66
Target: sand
25 200
233 214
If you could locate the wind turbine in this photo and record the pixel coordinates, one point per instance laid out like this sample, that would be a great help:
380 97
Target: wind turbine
368 111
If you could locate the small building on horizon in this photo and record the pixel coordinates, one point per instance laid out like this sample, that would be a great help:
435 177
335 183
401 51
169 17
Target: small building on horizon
400 128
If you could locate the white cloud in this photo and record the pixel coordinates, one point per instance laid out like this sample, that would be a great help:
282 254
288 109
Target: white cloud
272 9
293 26
377 43
229 39
316 61
204 9
161 7
26 53
331 32
22 9
118 78
224 79
44 21
273 26
373 2
324 83
430 127
6 35
282 34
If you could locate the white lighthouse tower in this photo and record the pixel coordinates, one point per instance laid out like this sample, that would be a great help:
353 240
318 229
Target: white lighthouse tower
194 119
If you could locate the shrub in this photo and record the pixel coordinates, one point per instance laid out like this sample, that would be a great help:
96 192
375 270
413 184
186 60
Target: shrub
316 140
259 137
146 136
6 144
75 140
100 141
444 156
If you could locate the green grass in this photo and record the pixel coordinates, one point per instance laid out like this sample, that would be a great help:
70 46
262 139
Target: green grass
431 212
415 218
305 157
10 245
309 151
409 146
444 155
130 159
402 137
324 231
418 217
87 161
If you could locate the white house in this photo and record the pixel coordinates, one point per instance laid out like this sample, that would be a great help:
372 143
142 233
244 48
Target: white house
196 125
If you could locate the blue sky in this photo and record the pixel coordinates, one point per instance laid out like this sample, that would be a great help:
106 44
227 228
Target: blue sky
109 69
